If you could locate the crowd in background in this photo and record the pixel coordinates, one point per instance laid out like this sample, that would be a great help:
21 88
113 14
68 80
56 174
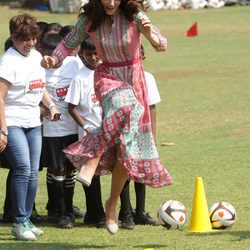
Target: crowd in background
193 4
72 6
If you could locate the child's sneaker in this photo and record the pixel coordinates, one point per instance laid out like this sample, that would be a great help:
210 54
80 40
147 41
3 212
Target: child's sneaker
22 232
77 212
35 217
66 221
35 230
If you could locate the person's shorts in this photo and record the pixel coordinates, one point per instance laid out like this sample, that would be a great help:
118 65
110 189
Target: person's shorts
52 155
4 162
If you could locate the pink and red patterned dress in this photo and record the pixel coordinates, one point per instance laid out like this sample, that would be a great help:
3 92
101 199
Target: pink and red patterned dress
120 88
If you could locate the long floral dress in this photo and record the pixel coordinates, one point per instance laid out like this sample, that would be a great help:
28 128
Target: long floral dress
120 88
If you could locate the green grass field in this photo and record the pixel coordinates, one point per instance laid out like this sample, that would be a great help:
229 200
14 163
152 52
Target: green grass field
204 86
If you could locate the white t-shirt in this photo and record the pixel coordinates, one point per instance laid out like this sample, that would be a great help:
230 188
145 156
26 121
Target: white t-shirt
57 84
153 93
27 81
81 93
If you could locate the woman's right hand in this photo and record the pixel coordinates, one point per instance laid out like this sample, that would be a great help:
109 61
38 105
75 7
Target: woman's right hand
88 130
3 142
48 62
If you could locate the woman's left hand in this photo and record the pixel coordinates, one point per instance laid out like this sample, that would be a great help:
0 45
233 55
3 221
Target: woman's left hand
146 27
88 130
147 31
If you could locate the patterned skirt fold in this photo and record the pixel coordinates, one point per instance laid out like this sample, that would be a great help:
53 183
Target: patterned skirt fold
122 126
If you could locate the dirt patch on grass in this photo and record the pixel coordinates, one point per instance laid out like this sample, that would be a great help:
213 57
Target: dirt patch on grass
240 133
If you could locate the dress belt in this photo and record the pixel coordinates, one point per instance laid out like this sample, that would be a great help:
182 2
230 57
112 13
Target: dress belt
121 64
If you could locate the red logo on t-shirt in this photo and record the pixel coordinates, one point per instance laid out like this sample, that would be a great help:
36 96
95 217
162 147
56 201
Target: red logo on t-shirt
60 92
36 84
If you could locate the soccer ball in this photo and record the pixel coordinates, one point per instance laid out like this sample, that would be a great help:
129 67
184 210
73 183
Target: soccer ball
222 215
172 214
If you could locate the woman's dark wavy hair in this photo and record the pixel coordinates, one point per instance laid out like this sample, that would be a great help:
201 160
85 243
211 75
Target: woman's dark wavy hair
94 11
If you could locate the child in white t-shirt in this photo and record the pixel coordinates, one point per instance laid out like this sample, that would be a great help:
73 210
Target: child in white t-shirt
57 136
86 111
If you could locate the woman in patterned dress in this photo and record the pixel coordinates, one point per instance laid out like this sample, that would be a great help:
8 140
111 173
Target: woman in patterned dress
124 143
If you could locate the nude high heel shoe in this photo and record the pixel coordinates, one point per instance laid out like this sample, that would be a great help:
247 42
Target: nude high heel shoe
85 182
111 228
82 179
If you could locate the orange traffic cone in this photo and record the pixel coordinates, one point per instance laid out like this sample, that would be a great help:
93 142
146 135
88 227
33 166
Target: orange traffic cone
193 30
200 221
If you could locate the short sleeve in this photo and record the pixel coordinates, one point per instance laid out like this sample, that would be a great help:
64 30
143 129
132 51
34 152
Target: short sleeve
74 93
152 89
7 71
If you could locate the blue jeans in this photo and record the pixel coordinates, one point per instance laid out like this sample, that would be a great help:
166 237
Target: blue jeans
23 151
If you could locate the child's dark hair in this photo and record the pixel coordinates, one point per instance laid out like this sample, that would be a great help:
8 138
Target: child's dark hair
87 45
56 27
42 29
50 41
65 30
42 26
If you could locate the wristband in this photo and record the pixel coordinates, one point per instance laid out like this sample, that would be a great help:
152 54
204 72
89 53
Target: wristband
85 126
51 105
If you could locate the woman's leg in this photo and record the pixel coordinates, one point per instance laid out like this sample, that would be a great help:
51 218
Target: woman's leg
23 151
119 177
17 152
34 138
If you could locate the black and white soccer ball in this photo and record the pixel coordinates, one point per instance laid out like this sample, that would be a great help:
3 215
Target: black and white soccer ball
222 215
172 214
